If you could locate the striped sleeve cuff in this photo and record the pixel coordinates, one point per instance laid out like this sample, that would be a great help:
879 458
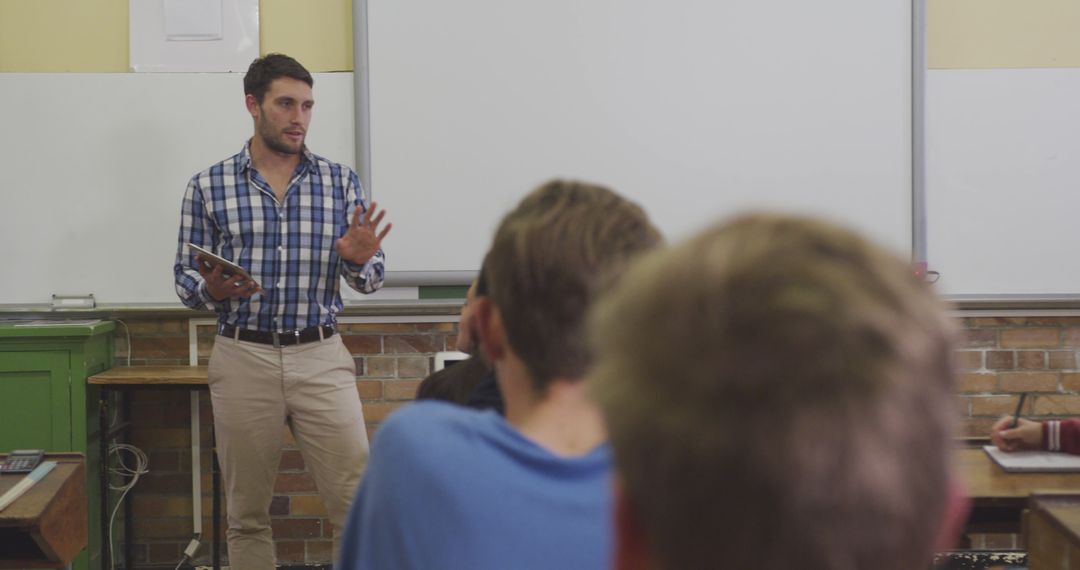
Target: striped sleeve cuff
1052 435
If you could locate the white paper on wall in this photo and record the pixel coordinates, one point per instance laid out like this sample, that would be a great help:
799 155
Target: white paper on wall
193 35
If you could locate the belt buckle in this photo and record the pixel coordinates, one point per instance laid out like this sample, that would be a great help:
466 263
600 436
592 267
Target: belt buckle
296 333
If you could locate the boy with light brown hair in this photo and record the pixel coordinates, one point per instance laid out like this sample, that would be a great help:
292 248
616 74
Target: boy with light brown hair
779 395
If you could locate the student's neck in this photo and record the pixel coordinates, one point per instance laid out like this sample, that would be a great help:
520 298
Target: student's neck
271 162
564 420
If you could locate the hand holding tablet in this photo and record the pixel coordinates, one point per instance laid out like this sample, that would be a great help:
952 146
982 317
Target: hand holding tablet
224 278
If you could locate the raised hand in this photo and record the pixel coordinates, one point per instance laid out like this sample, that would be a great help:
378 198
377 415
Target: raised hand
363 238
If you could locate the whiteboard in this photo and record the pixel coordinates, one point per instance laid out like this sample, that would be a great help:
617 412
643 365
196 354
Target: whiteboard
96 169
697 109
1003 171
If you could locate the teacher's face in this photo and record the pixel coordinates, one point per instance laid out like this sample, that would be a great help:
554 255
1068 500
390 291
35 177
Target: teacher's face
283 117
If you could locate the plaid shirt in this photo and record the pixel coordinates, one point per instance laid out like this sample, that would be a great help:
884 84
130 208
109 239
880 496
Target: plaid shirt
288 248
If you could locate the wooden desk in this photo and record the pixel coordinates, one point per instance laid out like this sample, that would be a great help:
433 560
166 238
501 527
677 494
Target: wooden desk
152 377
999 498
1053 532
46 527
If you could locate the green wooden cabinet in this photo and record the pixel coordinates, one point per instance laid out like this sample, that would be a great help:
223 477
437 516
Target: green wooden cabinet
45 402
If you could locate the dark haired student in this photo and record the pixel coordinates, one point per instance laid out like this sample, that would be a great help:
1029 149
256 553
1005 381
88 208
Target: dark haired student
298 223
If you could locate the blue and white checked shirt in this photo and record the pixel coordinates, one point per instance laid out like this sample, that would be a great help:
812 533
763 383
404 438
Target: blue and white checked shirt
288 248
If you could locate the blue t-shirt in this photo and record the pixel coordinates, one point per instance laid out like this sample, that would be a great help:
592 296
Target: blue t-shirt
449 487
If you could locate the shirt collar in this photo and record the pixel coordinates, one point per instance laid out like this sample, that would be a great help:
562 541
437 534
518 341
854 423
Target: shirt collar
307 158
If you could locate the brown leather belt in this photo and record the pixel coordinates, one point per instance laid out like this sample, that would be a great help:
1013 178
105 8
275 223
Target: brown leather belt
277 339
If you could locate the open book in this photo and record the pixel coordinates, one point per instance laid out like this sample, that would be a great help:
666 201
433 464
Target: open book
1033 461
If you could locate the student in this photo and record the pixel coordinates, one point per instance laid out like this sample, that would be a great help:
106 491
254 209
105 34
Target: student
297 222
778 394
453 488
1052 435
456 382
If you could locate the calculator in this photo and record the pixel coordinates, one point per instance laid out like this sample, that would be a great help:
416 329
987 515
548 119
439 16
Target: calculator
22 461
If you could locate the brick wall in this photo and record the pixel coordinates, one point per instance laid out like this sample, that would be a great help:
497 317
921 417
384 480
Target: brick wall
391 359
998 357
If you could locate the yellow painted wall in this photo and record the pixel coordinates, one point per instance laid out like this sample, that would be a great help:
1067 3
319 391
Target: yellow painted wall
318 33
92 35
972 34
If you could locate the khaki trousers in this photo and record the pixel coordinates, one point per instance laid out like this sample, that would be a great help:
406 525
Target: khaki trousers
255 390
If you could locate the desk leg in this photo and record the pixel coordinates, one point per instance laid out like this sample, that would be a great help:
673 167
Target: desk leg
103 474
216 506
129 557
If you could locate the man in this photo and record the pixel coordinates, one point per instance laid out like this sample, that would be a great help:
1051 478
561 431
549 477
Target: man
296 222
454 488
779 395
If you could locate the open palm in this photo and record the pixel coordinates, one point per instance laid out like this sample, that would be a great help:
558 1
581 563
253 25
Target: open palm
363 238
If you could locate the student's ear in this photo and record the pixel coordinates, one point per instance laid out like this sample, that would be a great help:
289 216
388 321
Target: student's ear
957 508
252 106
488 329
631 547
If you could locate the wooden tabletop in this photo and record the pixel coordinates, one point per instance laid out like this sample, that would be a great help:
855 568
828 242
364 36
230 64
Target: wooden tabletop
46 526
150 375
989 484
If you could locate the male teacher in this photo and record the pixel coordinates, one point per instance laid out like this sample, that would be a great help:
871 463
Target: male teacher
296 222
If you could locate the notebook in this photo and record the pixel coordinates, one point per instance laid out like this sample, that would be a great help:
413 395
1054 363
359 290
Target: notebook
1033 461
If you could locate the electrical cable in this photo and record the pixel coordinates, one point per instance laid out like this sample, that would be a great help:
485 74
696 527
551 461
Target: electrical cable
141 467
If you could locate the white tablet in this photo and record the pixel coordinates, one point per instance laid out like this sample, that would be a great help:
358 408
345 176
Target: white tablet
210 259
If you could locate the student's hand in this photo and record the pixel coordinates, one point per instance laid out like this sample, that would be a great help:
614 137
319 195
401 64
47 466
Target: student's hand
1026 435
363 238
220 287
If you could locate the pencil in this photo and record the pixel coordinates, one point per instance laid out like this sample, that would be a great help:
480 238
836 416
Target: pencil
1019 405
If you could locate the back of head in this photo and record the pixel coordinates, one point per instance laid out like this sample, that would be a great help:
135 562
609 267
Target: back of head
778 391
264 70
552 255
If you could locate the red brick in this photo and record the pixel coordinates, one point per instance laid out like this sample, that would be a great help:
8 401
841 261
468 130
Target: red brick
968 359
983 322
289 550
1030 338
1070 337
413 366
1031 359
401 389
291 460
294 483
159 438
380 367
404 344
976 427
1000 359
159 347
1057 405
362 344
1070 382
147 505
979 338
436 327
162 552
307 506
376 412
1062 360
992 405
279 506
319 551
164 482
296 528
1029 382
381 328
369 389
968 383
164 460
162 527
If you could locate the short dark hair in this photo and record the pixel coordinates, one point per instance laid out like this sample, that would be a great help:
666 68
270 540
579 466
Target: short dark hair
564 244
264 70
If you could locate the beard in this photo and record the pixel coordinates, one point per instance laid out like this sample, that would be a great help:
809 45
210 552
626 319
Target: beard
276 141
